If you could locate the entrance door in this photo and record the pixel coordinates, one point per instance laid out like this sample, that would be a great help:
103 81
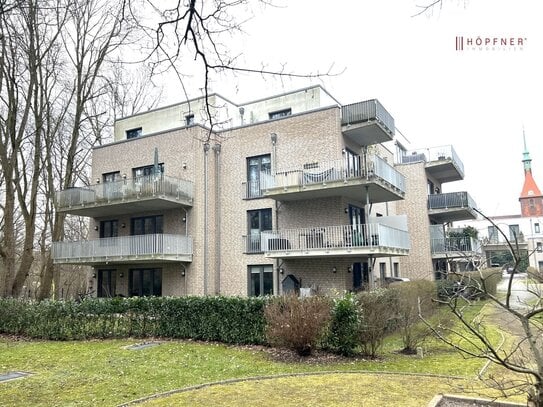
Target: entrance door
361 276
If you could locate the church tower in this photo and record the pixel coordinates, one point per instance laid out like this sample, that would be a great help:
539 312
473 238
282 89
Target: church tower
531 200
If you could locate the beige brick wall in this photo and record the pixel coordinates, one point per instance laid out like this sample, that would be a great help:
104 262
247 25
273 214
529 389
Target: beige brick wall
418 264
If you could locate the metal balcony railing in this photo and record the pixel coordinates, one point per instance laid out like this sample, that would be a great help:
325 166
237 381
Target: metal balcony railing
253 243
463 244
252 189
116 248
366 111
439 153
374 167
341 237
135 188
450 200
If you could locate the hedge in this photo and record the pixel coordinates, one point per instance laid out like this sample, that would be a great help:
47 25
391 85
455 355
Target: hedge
226 319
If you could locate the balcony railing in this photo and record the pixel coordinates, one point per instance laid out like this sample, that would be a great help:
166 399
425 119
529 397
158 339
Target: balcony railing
367 111
137 188
253 243
450 200
439 153
462 244
373 168
252 190
373 235
142 247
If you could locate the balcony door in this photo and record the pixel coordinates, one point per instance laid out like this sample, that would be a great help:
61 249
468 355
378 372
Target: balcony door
145 282
258 222
352 164
106 283
357 220
255 166
147 225
111 185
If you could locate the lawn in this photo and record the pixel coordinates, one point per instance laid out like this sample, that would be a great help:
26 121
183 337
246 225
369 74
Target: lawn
106 373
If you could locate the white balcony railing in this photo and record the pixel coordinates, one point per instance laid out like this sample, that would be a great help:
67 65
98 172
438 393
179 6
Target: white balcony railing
439 153
118 248
328 237
373 168
135 188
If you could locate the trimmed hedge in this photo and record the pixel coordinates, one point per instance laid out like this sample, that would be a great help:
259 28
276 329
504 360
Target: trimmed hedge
226 319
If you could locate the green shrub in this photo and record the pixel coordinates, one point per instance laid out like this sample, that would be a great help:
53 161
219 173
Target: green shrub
297 323
411 297
376 309
342 335
225 319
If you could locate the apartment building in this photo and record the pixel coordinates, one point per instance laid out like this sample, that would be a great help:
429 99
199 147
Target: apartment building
293 191
436 247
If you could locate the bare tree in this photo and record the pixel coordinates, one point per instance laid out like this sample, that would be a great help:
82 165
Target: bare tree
524 355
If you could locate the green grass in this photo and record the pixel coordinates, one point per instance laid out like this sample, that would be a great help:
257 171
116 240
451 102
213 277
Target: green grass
90 373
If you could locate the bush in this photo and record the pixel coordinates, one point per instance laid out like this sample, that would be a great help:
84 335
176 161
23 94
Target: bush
410 297
470 284
377 318
297 323
225 319
342 336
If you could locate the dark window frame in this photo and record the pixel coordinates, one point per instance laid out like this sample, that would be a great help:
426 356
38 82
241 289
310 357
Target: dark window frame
134 133
277 114
255 165
110 225
189 119
147 170
264 274
110 276
139 275
157 220
265 223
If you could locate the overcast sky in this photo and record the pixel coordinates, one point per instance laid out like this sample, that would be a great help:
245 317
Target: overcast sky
478 100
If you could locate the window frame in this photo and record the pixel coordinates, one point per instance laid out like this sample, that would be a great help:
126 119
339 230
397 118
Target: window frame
254 189
134 133
278 114
189 119
110 275
263 271
139 275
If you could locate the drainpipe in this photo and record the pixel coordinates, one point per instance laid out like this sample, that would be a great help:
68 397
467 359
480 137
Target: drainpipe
277 282
206 243
217 149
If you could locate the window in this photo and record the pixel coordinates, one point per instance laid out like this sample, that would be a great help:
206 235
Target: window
106 283
514 232
111 188
280 113
352 164
539 247
255 166
189 119
144 282
111 176
147 225
109 228
396 269
147 170
133 133
540 265
493 234
260 280
536 228
382 271
258 221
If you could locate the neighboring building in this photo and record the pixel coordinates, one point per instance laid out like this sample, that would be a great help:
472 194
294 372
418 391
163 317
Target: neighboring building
292 191
436 248
524 231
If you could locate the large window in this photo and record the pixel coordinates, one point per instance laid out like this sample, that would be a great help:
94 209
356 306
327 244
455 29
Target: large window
514 232
145 282
260 280
258 221
255 166
147 170
109 228
147 225
106 283
493 234
352 164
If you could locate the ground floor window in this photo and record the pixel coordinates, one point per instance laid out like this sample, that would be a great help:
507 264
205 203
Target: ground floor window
260 280
396 269
144 282
106 283
382 271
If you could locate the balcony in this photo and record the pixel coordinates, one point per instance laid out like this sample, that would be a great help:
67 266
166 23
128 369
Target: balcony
336 178
126 249
451 207
442 162
126 196
455 247
367 123
372 239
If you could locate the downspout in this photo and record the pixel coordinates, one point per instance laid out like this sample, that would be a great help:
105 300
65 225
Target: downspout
206 243
273 169
217 149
